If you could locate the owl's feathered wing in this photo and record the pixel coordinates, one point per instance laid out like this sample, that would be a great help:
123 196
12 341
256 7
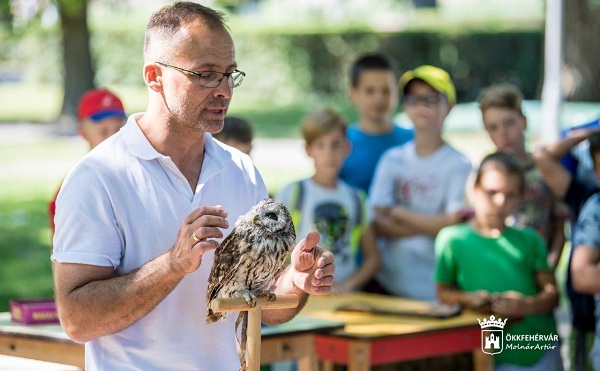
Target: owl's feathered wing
225 267
252 255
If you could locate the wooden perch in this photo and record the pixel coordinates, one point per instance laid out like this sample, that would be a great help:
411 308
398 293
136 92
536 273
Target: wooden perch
254 319
239 304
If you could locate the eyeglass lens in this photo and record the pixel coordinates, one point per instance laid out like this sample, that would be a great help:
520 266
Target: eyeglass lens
427 100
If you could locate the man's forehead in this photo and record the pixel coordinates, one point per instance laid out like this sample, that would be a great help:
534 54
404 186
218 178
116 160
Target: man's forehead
205 46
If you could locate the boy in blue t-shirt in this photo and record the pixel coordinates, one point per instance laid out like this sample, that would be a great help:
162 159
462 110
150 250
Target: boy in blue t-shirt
374 91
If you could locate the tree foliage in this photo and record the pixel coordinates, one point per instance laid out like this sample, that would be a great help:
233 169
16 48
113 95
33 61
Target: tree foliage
581 47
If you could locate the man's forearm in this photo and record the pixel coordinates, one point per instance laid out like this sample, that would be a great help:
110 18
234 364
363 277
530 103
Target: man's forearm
105 306
284 286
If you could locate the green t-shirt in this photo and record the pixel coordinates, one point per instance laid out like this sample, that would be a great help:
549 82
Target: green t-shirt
473 262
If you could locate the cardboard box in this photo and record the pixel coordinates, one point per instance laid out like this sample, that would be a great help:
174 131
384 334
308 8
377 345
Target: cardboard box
32 312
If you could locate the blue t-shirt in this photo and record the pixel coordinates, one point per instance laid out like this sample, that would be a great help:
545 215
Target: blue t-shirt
367 148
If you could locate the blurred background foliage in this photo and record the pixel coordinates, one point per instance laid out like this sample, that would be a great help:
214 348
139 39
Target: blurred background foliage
296 53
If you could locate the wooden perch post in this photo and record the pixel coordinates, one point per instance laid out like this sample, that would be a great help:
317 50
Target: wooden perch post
254 319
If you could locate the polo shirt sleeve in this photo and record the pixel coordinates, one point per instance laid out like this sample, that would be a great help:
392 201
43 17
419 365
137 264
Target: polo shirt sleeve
86 226
445 267
588 224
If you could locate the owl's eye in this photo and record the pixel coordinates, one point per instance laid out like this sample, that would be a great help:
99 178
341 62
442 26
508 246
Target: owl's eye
271 216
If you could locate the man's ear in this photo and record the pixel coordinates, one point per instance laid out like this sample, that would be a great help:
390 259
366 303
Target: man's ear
153 76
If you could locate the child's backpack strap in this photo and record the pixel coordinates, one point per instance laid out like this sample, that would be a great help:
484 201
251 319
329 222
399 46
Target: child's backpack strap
360 223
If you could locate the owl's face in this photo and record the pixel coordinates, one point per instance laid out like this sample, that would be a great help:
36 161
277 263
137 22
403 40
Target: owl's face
270 216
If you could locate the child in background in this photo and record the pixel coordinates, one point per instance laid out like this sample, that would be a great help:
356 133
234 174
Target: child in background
331 206
374 93
237 132
418 188
585 264
539 209
486 264
575 191
100 115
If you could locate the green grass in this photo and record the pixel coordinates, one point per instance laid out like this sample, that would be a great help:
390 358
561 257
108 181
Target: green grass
24 245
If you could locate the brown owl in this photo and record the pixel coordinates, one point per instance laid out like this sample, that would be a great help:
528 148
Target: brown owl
248 260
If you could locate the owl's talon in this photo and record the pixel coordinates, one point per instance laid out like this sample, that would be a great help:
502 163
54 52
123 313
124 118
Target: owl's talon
250 298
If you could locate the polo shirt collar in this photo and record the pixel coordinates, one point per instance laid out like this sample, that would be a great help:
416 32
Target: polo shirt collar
136 141
140 147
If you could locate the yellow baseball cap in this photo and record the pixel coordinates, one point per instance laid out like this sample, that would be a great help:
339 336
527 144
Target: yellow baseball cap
436 77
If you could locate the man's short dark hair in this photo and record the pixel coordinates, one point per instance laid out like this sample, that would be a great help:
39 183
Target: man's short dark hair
168 20
369 62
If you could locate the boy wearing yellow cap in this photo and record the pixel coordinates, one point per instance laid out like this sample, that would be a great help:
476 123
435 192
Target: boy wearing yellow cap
418 187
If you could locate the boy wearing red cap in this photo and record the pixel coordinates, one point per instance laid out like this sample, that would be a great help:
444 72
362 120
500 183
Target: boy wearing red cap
418 187
100 115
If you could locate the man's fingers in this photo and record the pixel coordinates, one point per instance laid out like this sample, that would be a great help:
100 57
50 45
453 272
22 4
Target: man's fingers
206 210
203 233
325 259
205 246
311 240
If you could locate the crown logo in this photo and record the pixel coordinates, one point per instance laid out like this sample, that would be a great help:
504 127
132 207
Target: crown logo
493 322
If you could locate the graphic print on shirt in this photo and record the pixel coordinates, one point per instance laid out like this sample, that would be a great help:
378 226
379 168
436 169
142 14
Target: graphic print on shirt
411 192
331 221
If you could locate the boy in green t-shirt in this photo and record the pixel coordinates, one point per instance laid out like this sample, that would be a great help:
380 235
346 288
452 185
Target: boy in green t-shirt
487 266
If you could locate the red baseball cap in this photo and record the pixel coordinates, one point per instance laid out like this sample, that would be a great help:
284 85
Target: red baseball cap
98 104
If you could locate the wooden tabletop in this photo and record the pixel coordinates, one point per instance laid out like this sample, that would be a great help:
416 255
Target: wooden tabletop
298 325
369 325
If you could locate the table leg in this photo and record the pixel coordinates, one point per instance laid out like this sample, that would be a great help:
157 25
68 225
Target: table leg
295 347
359 356
327 366
482 361
308 360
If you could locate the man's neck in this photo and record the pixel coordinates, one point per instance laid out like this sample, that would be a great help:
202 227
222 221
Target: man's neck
184 147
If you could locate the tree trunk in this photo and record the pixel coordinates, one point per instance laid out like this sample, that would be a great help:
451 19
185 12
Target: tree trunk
77 59
581 25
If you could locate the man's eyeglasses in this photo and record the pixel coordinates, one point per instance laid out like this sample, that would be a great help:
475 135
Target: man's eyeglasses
428 100
212 79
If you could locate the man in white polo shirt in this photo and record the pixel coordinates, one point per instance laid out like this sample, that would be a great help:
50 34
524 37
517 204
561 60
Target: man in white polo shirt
138 218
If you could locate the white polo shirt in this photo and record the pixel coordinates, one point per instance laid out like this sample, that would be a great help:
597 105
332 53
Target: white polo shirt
122 206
